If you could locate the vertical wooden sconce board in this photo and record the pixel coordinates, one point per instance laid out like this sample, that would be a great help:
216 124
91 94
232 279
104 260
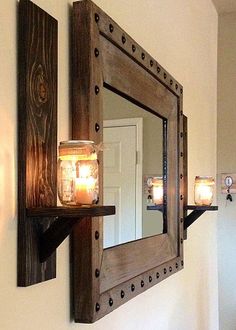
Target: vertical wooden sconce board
37 136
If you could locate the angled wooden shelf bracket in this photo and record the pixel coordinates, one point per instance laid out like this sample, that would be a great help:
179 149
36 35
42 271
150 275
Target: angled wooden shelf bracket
65 219
197 211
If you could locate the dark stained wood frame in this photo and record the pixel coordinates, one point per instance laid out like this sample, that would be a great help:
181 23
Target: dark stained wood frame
105 55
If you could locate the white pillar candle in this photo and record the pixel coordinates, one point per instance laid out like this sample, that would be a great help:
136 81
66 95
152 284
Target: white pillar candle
84 190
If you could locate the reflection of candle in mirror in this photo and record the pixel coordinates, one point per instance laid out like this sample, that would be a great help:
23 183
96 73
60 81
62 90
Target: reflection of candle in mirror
203 190
157 190
84 190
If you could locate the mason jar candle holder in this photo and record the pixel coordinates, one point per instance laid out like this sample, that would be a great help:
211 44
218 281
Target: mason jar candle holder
203 190
77 173
157 190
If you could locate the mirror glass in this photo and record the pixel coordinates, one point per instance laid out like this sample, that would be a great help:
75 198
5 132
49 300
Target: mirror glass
133 170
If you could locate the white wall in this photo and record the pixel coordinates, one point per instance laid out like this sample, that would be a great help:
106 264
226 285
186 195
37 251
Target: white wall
227 164
182 36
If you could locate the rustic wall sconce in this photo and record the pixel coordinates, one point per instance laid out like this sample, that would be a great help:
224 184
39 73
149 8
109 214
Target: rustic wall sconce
42 225
104 56
197 210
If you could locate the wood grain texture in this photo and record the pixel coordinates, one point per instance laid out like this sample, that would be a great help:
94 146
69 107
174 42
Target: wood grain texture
122 293
129 79
119 70
37 135
71 212
104 56
87 84
122 263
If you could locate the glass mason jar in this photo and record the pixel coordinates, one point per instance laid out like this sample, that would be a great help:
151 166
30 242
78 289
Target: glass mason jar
157 190
203 190
77 173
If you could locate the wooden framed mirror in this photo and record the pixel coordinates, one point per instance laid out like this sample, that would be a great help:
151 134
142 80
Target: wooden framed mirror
106 60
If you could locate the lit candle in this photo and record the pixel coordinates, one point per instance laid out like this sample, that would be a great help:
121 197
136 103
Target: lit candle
203 192
157 190
77 173
84 190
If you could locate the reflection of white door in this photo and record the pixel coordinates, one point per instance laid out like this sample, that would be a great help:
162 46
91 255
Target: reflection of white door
122 180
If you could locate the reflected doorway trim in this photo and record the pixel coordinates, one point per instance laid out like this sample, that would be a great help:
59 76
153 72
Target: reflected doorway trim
138 123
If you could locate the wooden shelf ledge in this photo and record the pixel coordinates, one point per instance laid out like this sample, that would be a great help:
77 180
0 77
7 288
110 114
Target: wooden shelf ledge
155 208
65 219
202 208
70 212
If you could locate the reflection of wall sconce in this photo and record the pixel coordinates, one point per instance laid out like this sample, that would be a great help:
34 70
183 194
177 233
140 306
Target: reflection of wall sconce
77 173
157 186
203 190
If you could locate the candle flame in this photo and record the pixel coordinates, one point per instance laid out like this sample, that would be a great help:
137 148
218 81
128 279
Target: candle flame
84 171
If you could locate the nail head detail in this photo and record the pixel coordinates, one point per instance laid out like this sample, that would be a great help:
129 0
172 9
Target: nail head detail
165 75
122 294
132 287
143 56
123 39
97 273
142 283
97 90
96 234
150 279
165 271
97 307
171 82
133 48
97 127
110 301
96 52
96 17
176 265
157 275
158 69
151 62
111 28
170 269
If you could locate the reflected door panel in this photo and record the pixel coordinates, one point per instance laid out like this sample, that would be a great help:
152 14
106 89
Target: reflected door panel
119 184
137 213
